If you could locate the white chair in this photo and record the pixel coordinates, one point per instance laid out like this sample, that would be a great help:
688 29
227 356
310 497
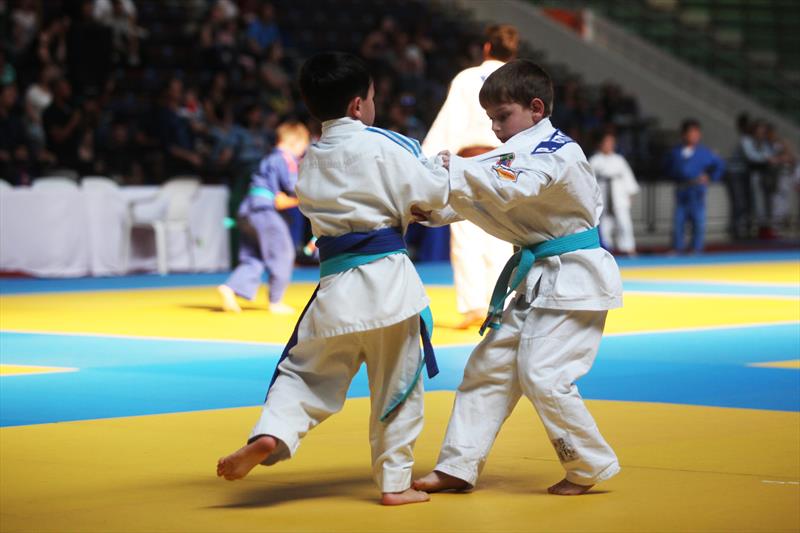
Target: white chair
107 205
54 183
5 186
165 213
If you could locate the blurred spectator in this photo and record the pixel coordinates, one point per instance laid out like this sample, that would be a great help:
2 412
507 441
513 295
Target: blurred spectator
786 169
263 31
762 167
62 126
89 51
15 157
8 74
51 45
118 155
120 17
738 183
618 185
692 166
25 18
175 133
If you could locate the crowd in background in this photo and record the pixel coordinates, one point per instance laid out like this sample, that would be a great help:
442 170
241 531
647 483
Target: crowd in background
199 86
763 176
144 90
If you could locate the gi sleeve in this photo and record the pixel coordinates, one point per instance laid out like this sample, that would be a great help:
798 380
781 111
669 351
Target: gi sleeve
495 182
285 177
415 182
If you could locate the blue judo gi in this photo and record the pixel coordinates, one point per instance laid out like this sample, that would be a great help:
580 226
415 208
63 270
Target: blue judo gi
685 166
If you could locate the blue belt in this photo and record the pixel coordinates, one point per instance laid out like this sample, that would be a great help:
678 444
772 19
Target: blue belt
523 261
338 254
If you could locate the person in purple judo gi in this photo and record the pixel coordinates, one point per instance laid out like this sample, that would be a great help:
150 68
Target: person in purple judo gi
266 240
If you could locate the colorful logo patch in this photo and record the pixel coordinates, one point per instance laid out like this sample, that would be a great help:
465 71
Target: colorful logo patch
502 167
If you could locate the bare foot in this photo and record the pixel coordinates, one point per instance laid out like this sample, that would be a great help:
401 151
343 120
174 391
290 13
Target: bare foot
229 302
471 319
568 488
280 308
438 481
402 498
242 461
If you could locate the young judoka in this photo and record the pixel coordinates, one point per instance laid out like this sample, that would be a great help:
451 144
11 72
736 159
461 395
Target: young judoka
357 185
538 192
266 241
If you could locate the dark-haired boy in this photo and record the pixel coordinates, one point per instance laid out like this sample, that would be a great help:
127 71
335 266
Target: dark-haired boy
357 185
538 192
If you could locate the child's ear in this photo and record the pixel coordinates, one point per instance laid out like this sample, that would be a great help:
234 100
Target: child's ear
537 109
354 108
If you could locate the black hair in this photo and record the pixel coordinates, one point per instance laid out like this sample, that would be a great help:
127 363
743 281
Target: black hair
688 124
519 82
330 80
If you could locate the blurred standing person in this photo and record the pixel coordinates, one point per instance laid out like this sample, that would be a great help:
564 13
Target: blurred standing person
618 185
15 157
463 127
786 170
692 166
738 183
63 126
762 165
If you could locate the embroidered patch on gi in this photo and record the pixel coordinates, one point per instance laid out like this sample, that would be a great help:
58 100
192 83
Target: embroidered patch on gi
556 141
502 167
566 452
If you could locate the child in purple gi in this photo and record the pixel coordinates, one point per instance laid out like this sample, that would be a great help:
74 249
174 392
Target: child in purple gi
269 244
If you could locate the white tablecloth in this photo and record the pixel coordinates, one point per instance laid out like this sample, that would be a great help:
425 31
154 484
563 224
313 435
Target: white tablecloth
81 233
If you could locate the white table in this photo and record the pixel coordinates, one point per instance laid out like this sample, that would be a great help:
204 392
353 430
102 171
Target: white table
81 233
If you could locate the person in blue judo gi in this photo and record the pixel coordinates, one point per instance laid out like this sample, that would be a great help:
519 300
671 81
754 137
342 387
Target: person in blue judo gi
692 166
266 240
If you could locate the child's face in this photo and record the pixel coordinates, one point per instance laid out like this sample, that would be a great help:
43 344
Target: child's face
508 119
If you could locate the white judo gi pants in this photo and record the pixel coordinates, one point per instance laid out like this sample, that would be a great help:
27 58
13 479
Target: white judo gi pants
313 383
539 353
478 259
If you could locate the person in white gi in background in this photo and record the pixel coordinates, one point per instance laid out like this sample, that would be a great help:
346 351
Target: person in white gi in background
534 191
463 127
354 179
618 186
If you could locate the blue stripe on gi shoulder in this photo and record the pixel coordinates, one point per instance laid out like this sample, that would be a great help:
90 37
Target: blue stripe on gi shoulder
409 144
556 141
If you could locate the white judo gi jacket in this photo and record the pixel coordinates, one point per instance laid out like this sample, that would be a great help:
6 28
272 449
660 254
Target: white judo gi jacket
535 187
358 179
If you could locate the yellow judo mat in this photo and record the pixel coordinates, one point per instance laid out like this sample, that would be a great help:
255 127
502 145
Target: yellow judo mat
710 466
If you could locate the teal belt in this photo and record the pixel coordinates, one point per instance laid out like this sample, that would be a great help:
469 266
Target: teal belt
523 261
263 192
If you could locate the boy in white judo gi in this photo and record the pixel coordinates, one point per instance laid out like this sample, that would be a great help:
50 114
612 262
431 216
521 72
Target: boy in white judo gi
538 192
617 185
357 185
268 245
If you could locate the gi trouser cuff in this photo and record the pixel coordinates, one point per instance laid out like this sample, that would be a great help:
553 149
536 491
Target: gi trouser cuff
607 473
470 475
394 480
